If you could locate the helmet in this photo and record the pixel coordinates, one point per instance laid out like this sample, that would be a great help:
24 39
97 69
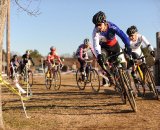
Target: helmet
131 30
86 41
28 52
52 48
99 17
14 56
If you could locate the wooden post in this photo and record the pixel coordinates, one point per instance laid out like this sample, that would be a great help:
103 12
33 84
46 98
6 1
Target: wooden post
157 63
8 39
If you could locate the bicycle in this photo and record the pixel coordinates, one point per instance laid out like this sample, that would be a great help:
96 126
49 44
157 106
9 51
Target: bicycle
145 78
122 81
53 77
90 76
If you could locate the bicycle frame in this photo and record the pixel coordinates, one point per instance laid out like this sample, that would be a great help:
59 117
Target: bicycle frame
54 76
26 79
91 77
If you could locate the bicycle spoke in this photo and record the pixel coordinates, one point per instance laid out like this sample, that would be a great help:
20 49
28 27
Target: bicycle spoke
95 81
80 82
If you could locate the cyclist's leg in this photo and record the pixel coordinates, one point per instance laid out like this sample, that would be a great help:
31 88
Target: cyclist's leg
134 56
111 50
82 67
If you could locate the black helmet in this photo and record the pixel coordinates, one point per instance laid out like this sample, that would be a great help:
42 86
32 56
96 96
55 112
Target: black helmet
52 48
86 41
131 30
14 56
99 17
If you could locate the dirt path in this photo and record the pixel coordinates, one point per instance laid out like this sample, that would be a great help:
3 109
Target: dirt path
70 108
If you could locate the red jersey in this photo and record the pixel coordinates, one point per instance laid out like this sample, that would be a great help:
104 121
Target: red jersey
52 56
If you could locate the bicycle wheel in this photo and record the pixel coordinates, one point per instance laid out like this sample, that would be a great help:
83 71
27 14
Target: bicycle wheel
119 88
56 80
150 82
128 90
139 83
48 81
30 78
24 82
80 83
95 80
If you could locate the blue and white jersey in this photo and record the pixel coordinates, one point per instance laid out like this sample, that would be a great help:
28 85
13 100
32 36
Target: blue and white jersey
109 37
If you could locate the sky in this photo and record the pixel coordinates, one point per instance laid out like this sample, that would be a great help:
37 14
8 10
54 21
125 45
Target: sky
66 23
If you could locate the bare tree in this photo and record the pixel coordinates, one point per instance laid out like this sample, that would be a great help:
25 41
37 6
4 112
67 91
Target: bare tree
3 14
27 6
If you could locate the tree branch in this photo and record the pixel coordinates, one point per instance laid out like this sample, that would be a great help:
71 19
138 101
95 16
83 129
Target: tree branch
33 12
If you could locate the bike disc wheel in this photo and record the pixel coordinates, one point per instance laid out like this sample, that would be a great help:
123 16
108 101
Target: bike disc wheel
80 83
95 81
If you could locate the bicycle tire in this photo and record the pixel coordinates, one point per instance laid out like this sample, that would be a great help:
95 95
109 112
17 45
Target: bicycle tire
128 90
151 82
95 80
48 82
30 78
120 89
139 83
56 80
80 83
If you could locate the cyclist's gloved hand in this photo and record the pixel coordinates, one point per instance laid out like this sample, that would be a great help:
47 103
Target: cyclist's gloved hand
100 59
61 65
152 53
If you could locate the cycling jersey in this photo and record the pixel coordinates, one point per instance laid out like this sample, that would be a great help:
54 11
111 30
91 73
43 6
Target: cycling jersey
108 37
26 58
136 46
52 56
82 52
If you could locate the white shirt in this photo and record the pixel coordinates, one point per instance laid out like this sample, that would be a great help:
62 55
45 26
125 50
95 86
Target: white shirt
136 46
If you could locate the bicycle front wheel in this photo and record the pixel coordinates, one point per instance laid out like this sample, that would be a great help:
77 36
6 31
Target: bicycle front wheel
56 80
48 81
30 78
150 82
95 80
128 90
80 82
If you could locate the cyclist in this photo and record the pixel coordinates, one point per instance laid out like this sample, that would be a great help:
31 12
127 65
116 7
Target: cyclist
82 55
14 65
104 36
26 58
52 56
136 42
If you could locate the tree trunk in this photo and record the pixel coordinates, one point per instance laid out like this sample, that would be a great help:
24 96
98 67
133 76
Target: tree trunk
3 12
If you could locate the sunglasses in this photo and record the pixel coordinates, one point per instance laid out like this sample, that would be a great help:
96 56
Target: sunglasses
99 24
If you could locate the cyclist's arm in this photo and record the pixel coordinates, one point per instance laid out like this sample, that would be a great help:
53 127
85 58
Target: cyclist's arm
96 41
58 58
147 43
49 59
81 53
92 50
30 58
122 35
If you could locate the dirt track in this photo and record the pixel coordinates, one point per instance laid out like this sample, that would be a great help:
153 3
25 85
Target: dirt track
70 108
